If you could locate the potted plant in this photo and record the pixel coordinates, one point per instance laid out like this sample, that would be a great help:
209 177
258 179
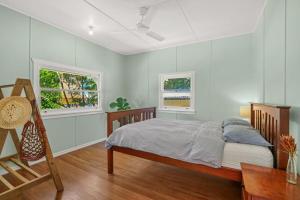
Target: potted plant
121 104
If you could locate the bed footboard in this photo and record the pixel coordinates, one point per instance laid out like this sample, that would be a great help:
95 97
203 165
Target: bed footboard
125 117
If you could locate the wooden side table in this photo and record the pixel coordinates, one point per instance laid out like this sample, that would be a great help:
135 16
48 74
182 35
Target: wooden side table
267 183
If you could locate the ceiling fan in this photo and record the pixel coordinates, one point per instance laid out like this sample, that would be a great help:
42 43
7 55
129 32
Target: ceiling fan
143 24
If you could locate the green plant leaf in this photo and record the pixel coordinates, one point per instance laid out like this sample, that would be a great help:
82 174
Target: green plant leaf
120 100
113 105
120 104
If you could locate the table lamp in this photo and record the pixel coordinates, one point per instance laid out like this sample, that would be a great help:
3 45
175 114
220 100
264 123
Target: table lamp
245 112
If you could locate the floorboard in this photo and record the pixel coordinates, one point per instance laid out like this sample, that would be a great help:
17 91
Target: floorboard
85 177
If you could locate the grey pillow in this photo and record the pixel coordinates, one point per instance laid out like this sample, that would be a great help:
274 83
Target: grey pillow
244 135
235 121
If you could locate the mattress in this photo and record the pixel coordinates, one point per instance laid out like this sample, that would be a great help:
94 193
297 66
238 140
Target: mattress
235 153
198 141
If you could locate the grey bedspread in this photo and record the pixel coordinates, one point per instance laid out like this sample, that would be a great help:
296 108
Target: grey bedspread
192 141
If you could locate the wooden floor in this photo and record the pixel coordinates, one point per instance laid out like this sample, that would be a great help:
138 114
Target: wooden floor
85 177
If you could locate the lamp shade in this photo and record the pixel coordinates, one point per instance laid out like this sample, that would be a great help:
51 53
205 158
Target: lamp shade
245 112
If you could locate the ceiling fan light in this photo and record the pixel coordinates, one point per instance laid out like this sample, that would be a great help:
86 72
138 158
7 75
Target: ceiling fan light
91 31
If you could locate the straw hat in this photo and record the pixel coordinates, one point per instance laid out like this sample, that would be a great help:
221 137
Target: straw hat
15 111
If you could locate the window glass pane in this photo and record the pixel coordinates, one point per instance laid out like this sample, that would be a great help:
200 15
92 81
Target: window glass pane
176 100
86 83
70 81
49 79
176 91
83 99
67 81
178 84
66 99
51 100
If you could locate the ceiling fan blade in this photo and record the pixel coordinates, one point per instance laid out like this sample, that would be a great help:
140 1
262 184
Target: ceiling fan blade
155 36
150 15
142 27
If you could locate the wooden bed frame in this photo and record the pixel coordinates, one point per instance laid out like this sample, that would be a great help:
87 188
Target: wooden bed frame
271 121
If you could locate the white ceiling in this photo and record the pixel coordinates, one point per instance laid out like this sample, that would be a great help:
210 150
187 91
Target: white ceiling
179 21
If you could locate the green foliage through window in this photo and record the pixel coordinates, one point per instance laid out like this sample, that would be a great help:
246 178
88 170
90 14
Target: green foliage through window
176 91
62 90
183 84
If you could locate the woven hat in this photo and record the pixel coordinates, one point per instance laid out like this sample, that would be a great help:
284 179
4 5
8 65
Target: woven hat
15 111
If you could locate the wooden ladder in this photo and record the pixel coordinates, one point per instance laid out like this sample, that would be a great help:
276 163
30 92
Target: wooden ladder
11 191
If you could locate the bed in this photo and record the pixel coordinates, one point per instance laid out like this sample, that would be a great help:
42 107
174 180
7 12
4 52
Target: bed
270 120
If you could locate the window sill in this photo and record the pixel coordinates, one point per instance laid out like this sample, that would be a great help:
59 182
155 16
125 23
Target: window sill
191 112
54 115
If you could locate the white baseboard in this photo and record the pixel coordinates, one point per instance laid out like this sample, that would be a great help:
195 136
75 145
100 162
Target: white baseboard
60 153
78 147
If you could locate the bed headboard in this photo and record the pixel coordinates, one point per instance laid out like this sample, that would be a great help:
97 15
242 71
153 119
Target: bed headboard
272 121
129 116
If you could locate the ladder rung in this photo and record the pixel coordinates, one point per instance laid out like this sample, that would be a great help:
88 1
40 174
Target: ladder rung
28 169
13 172
6 86
6 158
6 183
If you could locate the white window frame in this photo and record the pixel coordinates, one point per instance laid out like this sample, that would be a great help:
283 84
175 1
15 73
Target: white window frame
38 64
163 77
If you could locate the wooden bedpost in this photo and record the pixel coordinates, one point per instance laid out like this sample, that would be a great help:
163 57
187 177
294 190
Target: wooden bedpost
125 117
110 152
252 114
282 156
110 161
154 112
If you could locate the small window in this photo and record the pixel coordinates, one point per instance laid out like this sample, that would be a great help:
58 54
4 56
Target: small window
65 90
177 92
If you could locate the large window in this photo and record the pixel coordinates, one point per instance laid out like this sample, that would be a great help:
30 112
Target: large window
177 92
65 90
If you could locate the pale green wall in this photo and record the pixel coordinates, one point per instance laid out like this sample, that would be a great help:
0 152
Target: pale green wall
230 72
225 76
293 67
262 67
277 47
23 38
